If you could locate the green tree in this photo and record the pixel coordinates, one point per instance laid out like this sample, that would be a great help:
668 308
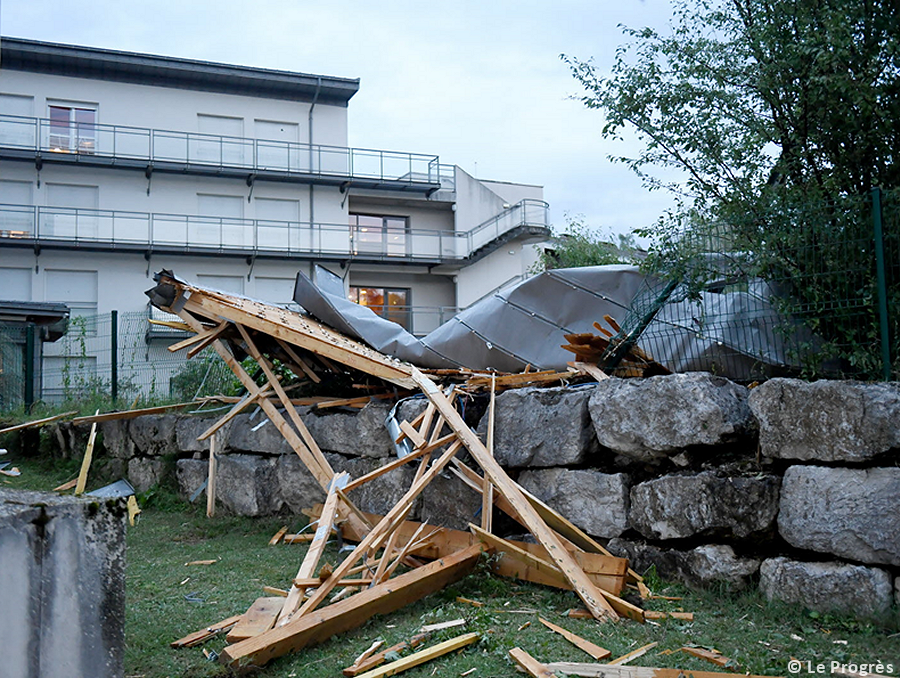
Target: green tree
580 245
778 118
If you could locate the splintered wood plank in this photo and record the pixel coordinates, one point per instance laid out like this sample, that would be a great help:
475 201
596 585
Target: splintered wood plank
583 587
422 656
607 671
487 492
409 431
353 611
278 536
634 654
380 531
397 463
712 656
529 664
204 634
86 462
370 662
259 618
199 337
316 548
592 649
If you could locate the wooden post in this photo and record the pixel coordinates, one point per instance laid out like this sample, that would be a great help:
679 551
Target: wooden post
487 495
211 480
86 462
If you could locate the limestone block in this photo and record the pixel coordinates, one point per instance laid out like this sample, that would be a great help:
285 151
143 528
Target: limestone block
541 427
650 419
358 434
704 504
596 502
826 420
846 512
834 586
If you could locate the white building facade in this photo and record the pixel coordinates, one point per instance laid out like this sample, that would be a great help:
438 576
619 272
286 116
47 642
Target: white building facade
114 165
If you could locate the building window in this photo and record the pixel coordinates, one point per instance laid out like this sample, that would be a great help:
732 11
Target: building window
374 234
388 302
73 129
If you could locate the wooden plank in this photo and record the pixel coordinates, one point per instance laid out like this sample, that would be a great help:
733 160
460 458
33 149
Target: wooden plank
583 587
272 591
278 536
37 422
359 400
529 664
418 440
374 660
487 492
200 336
86 462
422 656
214 334
410 546
655 614
372 649
373 539
712 656
239 407
300 362
607 671
316 548
441 626
553 519
353 611
593 650
258 619
315 581
605 571
204 634
263 362
634 654
397 463
130 414
211 478
591 369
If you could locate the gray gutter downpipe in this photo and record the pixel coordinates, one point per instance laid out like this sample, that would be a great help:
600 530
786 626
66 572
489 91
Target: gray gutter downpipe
312 209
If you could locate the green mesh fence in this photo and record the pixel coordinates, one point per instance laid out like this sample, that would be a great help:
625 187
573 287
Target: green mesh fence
116 357
791 289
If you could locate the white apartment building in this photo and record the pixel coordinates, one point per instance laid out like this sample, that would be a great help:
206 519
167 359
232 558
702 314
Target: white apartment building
114 165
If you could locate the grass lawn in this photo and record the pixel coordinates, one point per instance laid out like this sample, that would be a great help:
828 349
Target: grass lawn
168 599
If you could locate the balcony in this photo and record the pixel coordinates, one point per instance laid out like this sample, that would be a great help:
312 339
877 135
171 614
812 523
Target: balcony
151 150
106 230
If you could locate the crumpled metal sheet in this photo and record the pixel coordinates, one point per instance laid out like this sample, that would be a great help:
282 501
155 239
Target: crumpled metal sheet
520 326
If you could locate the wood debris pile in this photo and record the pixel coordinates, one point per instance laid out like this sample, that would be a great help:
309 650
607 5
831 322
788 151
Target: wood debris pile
593 349
396 561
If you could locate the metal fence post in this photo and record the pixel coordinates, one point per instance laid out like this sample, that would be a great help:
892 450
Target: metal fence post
882 284
30 346
114 354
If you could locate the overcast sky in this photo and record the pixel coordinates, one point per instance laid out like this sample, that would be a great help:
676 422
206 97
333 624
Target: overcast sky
477 82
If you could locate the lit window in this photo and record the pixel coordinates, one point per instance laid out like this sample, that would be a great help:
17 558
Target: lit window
374 234
73 130
388 302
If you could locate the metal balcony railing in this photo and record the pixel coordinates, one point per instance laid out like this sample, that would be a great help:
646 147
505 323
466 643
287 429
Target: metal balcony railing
117 229
93 143
181 232
525 213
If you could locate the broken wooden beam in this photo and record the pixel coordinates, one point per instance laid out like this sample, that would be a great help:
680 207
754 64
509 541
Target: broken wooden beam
582 644
353 611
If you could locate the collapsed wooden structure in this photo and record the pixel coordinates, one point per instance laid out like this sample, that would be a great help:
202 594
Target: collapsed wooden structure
564 556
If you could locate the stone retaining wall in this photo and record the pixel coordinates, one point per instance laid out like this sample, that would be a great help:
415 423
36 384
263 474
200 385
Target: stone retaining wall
791 486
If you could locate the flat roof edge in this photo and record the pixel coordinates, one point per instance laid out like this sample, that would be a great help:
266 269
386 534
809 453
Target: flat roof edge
148 69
